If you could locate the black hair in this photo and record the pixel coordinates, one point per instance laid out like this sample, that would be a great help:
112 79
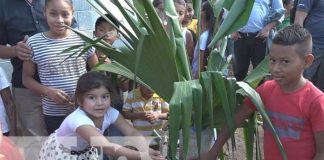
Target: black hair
70 2
91 80
156 3
295 35
102 19
188 1
286 2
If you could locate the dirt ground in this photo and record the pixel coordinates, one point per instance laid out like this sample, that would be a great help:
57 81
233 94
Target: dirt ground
239 153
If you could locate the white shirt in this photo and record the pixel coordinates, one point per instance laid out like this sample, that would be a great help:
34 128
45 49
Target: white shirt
202 46
4 83
66 133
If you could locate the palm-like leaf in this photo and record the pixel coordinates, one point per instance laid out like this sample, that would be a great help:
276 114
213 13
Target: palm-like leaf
159 60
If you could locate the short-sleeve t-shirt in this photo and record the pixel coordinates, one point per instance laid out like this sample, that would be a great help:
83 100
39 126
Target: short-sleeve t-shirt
79 118
56 69
4 83
295 116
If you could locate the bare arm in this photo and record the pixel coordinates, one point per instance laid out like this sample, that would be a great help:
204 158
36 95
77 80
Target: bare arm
93 61
132 115
57 95
264 33
20 50
10 109
319 141
300 18
189 45
243 113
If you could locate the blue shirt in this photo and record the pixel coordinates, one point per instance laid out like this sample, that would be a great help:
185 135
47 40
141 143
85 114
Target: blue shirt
314 21
258 14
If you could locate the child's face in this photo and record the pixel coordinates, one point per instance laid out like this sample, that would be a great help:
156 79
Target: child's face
181 11
146 92
287 66
58 13
96 102
107 31
189 13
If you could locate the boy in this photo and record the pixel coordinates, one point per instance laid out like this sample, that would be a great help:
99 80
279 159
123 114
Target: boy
146 110
294 105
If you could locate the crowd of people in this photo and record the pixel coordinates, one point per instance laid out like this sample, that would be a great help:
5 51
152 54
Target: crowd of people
55 94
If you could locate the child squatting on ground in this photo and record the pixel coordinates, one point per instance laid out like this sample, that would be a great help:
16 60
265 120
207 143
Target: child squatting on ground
295 106
87 124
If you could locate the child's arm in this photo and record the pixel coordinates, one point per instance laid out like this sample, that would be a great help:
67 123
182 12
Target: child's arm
319 140
243 113
10 108
140 115
87 132
57 95
93 61
190 46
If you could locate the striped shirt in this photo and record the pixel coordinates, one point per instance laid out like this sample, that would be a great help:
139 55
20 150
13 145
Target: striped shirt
136 103
57 69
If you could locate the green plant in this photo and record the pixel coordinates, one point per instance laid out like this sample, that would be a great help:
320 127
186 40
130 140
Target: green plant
158 59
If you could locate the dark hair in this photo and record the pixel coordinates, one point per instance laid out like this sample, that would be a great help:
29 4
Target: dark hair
210 18
70 2
295 35
89 81
156 3
188 1
286 2
102 19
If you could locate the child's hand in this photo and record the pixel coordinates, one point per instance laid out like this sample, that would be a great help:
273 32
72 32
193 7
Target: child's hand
154 116
58 96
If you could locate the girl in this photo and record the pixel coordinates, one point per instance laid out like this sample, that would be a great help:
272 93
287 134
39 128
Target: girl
58 71
89 120
206 27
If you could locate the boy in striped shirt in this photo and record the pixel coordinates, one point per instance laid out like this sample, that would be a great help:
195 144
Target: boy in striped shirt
145 109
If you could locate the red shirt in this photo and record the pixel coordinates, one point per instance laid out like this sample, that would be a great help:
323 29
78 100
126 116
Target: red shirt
296 117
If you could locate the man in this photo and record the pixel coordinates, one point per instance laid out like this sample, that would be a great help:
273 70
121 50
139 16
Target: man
310 14
250 41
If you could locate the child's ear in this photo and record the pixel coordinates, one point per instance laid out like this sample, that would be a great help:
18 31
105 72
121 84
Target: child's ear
309 58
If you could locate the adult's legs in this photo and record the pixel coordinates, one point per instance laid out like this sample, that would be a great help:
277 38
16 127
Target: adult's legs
53 123
258 52
315 72
241 58
31 120
29 112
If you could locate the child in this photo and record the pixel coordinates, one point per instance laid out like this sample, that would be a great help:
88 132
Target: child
188 21
58 71
206 25
294 105
146 110
7 106
106 30
180 6
89 120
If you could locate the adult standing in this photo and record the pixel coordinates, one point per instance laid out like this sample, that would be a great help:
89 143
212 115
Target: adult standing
18 20
310 14
250 40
